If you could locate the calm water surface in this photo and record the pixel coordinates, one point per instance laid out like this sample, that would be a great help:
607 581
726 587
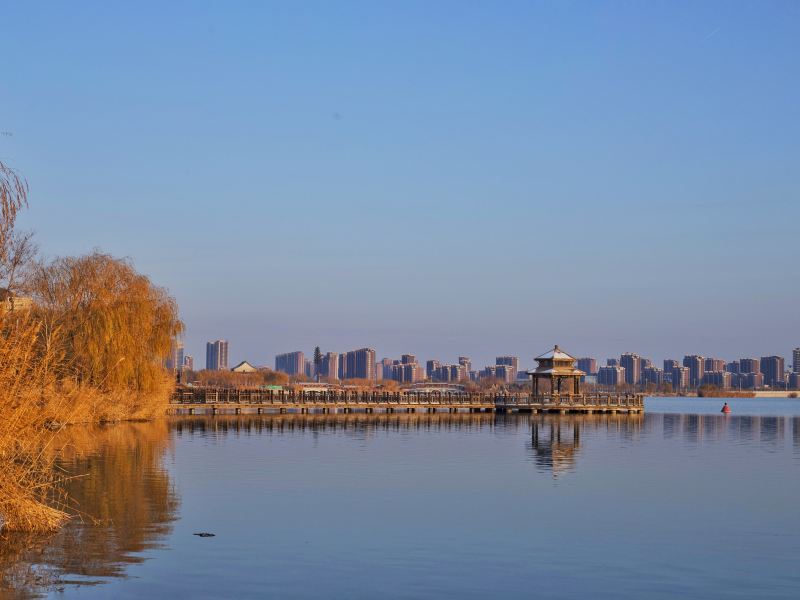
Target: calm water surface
681 501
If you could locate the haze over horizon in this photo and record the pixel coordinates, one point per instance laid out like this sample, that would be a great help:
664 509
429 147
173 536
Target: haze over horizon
432 179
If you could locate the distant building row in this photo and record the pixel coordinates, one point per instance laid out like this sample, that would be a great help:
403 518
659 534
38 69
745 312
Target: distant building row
630 368
361 364
356 364
696 370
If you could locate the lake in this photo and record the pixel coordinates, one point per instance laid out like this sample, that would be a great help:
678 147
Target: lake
680 501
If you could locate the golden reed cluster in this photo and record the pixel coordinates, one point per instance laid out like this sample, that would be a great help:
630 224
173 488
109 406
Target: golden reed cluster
87 347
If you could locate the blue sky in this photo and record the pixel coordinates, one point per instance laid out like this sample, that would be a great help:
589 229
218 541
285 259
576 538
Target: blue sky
429 177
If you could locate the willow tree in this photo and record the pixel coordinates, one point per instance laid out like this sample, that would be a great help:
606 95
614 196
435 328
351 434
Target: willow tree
109 325
16 248
27 493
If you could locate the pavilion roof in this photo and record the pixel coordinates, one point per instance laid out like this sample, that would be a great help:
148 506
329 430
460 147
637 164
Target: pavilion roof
557 371
556 353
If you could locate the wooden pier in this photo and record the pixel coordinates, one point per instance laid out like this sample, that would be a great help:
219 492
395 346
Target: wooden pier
196 400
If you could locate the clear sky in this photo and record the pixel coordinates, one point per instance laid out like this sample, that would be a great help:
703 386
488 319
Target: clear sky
428 177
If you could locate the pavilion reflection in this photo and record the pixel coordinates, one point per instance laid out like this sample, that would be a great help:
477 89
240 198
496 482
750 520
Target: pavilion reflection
556 440
555 445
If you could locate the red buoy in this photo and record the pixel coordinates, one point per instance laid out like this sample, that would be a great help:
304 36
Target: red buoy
726 409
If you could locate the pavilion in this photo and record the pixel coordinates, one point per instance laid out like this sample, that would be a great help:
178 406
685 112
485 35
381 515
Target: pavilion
556 374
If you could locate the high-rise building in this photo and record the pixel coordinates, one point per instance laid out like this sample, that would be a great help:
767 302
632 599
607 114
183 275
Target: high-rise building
751 381
714 364
721 379
406 372
773 369
696 365
308 368
466 362
508 361
447 373
794 380
384 367
670 364
733 367
749 365
588 365
458 373
174 361
632 363
329 369
652 376
188 363
488 372
679 377
503 373
217 355
359 364
291 363
796 360
646 362
431 367
612 362
611 375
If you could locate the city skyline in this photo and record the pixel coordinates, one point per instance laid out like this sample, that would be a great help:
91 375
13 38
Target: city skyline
570 178
400 299
630 368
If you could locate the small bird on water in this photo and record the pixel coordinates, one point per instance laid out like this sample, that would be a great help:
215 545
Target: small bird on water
204 534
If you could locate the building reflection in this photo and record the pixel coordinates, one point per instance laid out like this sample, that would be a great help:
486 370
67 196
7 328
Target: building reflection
764 431
124 503
796 434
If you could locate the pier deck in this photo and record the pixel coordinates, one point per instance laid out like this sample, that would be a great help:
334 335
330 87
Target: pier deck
219 400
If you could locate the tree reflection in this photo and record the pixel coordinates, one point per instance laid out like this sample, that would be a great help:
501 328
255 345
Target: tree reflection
123 504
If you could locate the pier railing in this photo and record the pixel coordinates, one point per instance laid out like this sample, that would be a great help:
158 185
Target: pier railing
367 398
203 395
605 399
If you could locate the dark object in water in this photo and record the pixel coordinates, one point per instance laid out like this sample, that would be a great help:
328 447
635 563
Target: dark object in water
726 409
204 534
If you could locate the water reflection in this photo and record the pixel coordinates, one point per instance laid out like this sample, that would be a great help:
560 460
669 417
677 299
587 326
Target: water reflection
352 424
122 483
116 477
796 434
556 439
766 432
555 445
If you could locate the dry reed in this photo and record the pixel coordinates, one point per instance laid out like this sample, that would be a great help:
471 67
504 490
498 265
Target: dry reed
90 350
